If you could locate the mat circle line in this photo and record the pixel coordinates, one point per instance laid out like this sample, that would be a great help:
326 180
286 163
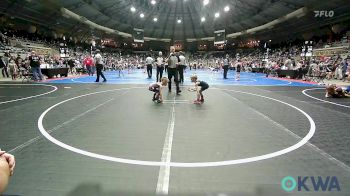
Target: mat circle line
312 97
302 142
33 96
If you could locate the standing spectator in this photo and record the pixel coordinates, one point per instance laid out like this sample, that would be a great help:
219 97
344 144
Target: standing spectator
71 64
160 66
13 69
21 66
348 71
149 62
238 69
19 61
344 69
99 66
34 62
88 62
7 58
268 68
338 71
2 67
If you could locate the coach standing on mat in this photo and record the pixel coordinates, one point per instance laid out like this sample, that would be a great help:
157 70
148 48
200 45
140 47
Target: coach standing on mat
173 62
99 66
226 65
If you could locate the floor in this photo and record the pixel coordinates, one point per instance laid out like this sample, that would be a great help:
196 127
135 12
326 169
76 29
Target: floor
76 137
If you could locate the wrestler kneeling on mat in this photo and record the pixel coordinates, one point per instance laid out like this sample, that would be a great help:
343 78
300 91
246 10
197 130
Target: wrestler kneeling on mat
200 86
157 89
336 92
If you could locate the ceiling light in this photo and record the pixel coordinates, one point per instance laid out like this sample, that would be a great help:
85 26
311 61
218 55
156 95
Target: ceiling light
133 9
205 2
179 21
153 2
203 19
227 8
217 15
142 15
155 19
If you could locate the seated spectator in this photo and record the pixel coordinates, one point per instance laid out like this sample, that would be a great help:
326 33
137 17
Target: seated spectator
333 91
7 166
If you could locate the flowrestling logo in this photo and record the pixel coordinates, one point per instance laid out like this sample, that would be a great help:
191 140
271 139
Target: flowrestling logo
310 183
324 13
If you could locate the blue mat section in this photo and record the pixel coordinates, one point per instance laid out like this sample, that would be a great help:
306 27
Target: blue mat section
213 78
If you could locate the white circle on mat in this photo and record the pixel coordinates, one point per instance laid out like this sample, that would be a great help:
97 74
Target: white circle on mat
33 96
311 89
302 142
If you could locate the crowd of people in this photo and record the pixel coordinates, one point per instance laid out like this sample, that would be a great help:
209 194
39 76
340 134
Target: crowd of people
330 67
14 64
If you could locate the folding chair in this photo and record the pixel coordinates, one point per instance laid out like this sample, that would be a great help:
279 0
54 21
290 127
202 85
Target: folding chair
27 75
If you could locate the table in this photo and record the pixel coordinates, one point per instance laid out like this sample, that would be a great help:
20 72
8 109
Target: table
258 70
51 72
291 73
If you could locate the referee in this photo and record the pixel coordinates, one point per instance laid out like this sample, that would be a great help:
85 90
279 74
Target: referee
226 65
173 61
99 66
149 62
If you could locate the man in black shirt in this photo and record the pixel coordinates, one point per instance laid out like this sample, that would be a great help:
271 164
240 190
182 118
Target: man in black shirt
226 65
34 62
173 62
71 64
3 67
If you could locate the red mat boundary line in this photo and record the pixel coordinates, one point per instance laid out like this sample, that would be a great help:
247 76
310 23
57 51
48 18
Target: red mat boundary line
63 78
292 80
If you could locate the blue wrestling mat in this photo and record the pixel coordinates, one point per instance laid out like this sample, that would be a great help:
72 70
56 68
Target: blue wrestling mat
213 78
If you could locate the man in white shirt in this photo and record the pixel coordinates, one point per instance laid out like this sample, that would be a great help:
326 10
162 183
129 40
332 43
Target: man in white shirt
99 66
182 66
149 62
160 66
288 64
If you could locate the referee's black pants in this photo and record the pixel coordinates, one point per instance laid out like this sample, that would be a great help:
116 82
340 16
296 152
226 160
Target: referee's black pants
181 68
172 72
225 71
99 68
159 72
149 71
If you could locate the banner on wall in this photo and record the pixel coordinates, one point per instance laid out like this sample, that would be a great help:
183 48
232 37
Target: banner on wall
219 37
138 35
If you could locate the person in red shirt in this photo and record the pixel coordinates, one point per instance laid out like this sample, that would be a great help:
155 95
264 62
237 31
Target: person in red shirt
89 63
